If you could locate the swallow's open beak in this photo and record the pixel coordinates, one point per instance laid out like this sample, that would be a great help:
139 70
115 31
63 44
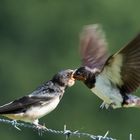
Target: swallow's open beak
79 76
71 79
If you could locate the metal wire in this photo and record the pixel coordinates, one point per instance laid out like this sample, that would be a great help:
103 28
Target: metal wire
67 133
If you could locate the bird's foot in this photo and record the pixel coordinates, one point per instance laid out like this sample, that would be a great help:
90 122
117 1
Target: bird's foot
40 128
14 123
104 105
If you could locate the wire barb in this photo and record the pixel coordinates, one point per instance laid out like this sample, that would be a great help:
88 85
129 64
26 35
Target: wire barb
65 132
130 137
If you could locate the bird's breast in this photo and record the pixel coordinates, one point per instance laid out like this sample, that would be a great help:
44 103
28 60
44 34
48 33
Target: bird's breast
44 109
109 93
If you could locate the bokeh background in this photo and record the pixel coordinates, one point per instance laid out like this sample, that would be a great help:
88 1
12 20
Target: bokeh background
39 38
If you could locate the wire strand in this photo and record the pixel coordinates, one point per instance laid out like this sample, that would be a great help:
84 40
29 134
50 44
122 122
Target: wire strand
67 133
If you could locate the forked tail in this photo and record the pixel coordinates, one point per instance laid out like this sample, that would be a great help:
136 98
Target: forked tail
132 101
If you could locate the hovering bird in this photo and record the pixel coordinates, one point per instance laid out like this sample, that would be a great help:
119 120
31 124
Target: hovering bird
113 79
41 101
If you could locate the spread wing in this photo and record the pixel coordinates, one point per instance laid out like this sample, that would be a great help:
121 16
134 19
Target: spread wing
93 47
123 68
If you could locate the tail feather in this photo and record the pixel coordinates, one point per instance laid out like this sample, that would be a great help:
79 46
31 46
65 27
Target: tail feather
132 101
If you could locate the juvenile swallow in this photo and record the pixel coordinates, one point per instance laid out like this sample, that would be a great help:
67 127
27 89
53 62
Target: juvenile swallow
113 79
41 101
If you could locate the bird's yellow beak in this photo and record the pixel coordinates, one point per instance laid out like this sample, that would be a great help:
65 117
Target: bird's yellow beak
72 76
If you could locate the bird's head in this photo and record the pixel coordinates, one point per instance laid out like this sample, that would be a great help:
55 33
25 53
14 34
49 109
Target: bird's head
64 78
86 75
81 74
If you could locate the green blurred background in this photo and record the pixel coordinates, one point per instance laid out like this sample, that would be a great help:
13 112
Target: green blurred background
39 38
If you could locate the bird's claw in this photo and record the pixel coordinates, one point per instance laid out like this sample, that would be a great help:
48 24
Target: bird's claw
41 129
104 105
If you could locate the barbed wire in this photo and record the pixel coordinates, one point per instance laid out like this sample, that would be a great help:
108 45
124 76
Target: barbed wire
67 133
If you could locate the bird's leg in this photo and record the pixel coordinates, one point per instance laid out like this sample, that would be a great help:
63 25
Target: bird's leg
14 123
132 101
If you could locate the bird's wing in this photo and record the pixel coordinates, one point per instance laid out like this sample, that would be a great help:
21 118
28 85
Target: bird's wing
20 105
93 47
44 94
123 68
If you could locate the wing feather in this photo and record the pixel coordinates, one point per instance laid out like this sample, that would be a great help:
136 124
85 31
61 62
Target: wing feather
21 104
93 47
123 68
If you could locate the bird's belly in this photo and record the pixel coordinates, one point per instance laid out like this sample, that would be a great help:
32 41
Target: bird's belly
109 94
40 111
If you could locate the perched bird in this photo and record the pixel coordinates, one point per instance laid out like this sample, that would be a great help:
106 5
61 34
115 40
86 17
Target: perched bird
113 79
41 101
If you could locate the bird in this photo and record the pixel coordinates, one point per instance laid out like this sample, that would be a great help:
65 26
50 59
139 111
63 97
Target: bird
113 78
44 99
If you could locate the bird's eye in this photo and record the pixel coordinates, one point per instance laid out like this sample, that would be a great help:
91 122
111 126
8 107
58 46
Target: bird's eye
68 74
78 73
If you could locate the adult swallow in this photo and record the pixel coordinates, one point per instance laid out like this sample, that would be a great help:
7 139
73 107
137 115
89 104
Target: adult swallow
113 79
41 101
